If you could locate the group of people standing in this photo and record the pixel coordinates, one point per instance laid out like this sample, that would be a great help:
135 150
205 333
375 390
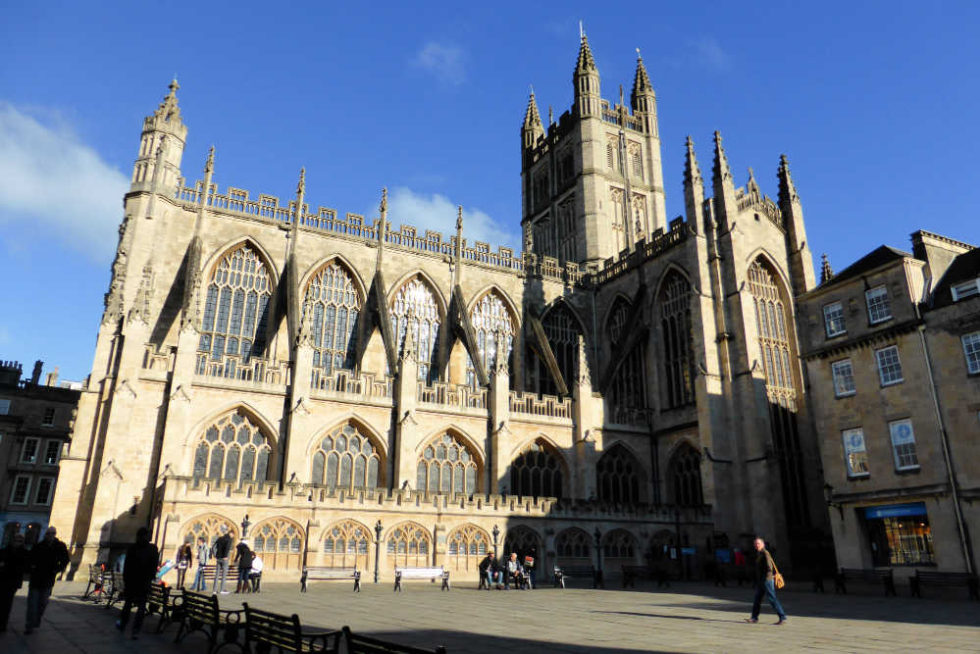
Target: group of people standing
41 564
248 564
510 572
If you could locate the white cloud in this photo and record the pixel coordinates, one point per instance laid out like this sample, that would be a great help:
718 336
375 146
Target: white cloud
707 52
437 213
444 60
56 186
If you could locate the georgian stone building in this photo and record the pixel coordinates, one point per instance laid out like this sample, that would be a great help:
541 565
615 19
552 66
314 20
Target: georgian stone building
891 346
625 383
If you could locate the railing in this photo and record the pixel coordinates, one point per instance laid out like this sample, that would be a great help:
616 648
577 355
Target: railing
612 116
659 242
452 396
344 382
546 405
764 205
254 369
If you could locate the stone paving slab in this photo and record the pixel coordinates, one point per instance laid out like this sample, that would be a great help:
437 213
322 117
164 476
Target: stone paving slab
684 618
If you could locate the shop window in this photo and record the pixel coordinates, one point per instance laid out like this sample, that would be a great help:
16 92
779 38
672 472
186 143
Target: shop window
900 535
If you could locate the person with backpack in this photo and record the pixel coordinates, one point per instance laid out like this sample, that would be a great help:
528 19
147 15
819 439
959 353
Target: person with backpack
46 561
139 572
222 550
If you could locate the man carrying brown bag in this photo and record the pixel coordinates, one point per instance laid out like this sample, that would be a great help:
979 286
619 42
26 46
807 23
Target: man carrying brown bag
765 583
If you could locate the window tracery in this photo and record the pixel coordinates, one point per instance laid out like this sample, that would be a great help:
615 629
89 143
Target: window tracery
210 528
618 477
536 472
415 304
333 298
628 390
774 344
523 540
675 326
447 465
233 448
236 306
685 476
278 536
573 544
409 544
562 330
466 547
345 544
489 316
619 544
347 459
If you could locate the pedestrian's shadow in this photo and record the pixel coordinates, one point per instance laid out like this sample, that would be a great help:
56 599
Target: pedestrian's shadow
663 615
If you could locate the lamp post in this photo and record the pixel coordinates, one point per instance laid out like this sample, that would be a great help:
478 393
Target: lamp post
496 535
377 548
598 558
246 523
828 496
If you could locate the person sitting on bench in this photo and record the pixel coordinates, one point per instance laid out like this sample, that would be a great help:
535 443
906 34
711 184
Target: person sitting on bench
514 572
490 571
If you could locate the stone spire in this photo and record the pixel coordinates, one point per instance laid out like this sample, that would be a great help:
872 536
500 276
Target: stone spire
826 272
720 170
641 81
723 187
787 190
458 267
164 124
752 187
532 129
801 270
692 172
693 186
169 110
588 101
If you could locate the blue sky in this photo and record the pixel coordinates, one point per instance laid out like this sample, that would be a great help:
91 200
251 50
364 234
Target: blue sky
873 102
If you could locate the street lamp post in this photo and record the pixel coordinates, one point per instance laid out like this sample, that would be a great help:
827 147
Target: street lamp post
496 535
598 556
377 548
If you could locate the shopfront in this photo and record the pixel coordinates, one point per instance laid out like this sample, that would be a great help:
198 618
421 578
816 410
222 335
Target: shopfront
899 534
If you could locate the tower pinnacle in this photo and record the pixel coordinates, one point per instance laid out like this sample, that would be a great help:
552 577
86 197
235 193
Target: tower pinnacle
586 62
787 190
531 117
826 272
692 172
641 81
720 169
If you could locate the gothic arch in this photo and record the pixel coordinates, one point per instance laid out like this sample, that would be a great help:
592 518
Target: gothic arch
619 544
209 525
428 281
344 543
279 541
620 479
448 463
670 269
513 309
232 447
573 543
416 308
618 300
377 439
347 457
466 545
562 327
761 253
344 263
676 355
254 414
684 475
459 433
409 544
538 470
485 317
523 540
207 270
561 304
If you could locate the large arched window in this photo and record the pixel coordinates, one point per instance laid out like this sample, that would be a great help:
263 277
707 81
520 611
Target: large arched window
619 544
628 388
562 330
335 303
489 317
522 540
280 542
466 546
409 544
345 545
209 527
675 327
237 305
347 459
770 314
684 476
618 476
447 465
573 544
233 448
536 472
415 306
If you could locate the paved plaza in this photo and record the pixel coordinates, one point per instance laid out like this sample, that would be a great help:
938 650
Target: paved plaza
685 618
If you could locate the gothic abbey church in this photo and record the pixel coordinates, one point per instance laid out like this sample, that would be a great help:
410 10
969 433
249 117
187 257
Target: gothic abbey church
626 385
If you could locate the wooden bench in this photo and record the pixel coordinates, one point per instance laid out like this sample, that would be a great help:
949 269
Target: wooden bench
265 630
96 581
871 576
944 579
326 573
201 613
357 644
573 571
114 588
208 573
633 572
162 600
421 573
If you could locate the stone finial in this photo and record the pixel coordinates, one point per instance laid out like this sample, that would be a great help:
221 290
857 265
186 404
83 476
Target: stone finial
641 80
532 118
692 172
383 208
752 186
826 272
584 373
459 221
209 164
169 109
301 187
720 169
586 62
408 348
787 190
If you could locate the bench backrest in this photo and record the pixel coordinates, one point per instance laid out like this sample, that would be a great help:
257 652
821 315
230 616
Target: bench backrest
935 575
328 572
208 571
420 573
281 631
158 594
95 573
357 644
570 570
203 608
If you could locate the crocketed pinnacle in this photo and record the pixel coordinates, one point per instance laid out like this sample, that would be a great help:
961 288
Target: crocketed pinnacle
301 187
209 164
168 109
641 81
586 63
531 117
752 186
826 272
692 172
787 190
720 168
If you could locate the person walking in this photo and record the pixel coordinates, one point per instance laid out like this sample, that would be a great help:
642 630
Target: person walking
222 550
184 556
46 561
765 584
138 573
13 565
203 558
243 557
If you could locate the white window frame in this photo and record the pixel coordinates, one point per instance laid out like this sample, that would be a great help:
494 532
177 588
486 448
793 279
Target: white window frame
23 450
45 420
27 490
37 490
853 442
966 289
881 372
971 350
827 320
892 427
57 452
871 298
834 368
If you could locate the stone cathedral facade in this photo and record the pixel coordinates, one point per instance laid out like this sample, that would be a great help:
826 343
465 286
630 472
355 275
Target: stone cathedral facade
626 384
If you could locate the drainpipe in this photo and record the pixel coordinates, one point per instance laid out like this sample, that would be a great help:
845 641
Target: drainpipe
944 437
